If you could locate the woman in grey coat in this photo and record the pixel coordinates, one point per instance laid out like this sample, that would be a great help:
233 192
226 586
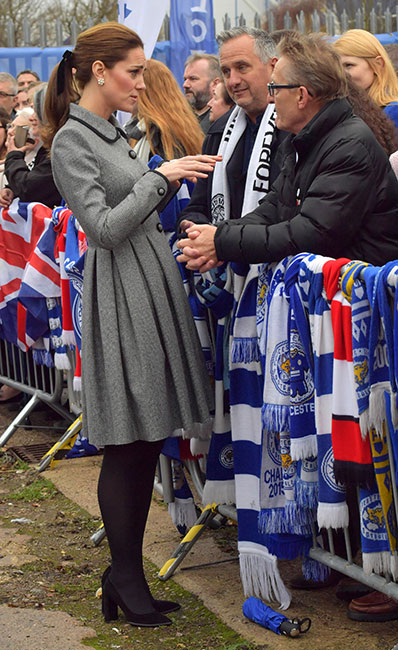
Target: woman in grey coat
144 376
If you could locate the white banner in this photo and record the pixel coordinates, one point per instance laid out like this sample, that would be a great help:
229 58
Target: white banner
145 17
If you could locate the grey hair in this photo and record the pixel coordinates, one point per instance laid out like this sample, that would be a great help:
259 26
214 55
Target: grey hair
264 45
8 78
38 102
212 61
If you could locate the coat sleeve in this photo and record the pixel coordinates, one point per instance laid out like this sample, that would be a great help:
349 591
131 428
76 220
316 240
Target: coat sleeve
36 184
77 174
340 196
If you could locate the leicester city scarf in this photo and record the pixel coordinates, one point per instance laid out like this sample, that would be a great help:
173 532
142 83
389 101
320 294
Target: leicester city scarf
353 459
332 508
258 173
377 515
258 567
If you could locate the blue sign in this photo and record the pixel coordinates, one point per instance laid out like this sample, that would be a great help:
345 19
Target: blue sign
191 30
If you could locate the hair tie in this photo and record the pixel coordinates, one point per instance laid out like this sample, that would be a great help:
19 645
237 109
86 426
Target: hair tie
66 59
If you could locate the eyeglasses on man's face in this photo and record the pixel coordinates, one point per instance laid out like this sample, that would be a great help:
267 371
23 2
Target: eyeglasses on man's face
3 94
273 86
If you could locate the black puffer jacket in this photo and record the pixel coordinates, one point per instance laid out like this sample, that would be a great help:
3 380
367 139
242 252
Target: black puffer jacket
339 199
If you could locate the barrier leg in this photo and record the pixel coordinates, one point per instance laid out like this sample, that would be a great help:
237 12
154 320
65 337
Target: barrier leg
61 447
98 536
188 541
24 413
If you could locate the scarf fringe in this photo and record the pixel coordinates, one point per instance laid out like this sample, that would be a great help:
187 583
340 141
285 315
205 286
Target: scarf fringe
77 384
43 358
302 448
332 515
377 406
219 492
245 350
379 563
199 447
260 578
275 417
183 512
61 361
314 570
290 519
68 337
306 494
364 423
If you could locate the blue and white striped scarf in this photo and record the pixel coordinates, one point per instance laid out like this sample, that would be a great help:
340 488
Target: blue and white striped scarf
332 507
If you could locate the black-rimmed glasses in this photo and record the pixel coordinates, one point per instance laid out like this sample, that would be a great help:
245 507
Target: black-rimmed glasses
272 87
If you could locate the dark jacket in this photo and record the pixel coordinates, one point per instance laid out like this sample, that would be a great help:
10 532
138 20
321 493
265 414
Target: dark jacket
339 199
36 184
199 208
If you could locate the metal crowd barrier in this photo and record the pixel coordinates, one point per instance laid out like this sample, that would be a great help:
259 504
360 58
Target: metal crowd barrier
39 383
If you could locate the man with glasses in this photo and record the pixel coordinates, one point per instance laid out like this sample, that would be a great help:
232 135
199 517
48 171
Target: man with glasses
336 194
8 92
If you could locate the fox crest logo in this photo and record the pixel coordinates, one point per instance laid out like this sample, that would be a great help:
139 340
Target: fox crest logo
280 368
218 208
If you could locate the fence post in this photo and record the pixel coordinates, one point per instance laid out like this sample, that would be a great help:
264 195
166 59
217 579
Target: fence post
287 21
227 22
330 23
43 33
359 22
257 20
74 31
10 33
271 21
301 22
388 20
26 32
373 22
315 21
344 21
242 21
58 33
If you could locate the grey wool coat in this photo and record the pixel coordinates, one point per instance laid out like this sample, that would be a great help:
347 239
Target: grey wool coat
143 373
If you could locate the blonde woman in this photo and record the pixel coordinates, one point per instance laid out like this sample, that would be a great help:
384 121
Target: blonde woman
370 67
169 126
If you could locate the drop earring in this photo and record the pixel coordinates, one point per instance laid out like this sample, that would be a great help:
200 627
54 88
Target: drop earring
101 81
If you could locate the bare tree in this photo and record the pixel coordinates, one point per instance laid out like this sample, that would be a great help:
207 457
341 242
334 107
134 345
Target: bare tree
14 13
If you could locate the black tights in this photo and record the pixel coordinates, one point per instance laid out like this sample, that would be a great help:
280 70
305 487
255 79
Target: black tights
124 494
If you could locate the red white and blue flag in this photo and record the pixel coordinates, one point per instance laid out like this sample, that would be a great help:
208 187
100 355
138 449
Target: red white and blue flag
21 227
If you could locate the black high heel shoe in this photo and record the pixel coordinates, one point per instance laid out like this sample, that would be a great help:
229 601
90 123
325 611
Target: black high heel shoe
111 600
161 606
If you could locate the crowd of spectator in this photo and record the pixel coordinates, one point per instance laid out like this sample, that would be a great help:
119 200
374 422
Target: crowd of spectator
305 130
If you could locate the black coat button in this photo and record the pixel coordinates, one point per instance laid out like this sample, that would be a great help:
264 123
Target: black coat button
159 227
161 191
132 154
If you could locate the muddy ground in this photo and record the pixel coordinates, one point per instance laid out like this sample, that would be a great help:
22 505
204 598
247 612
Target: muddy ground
48 562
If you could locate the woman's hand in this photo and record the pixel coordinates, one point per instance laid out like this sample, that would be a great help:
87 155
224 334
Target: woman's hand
6 197
10 145
189 167
198 250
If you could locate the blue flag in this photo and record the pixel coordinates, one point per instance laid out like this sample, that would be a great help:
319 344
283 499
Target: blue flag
191 30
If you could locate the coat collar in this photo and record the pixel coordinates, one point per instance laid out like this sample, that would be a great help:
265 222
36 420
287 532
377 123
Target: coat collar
321 124
109 130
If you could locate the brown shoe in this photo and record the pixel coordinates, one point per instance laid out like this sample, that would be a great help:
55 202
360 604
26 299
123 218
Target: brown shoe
376 606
